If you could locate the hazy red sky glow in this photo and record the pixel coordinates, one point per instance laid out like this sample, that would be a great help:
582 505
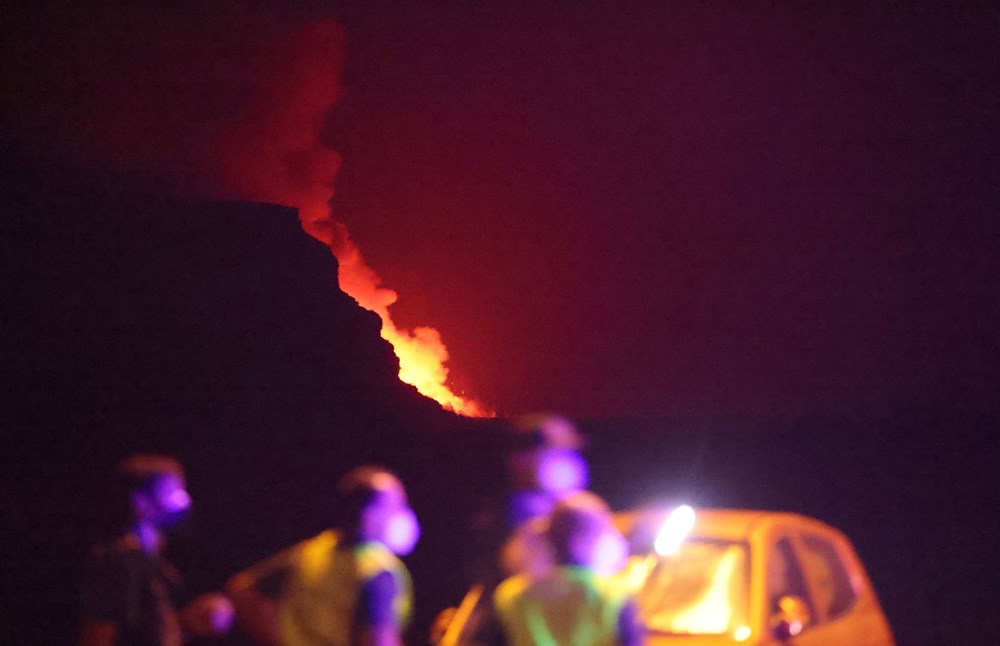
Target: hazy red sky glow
689 209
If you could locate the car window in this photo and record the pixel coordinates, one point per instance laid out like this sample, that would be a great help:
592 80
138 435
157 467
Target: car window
784 576
700 589
826 570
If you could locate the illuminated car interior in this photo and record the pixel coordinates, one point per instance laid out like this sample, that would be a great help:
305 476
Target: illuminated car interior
700 589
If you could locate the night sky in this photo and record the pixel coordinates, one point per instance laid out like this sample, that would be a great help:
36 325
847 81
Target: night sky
607 209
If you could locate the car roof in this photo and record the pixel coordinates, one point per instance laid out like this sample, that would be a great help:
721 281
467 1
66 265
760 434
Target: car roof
722 524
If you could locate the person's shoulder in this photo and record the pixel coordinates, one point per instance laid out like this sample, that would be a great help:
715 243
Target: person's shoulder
326 539
313 552
114 553
613 584
373 558
124 545
615 590
511 589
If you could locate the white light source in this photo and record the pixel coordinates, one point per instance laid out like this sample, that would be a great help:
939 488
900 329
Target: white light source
742 633
674 530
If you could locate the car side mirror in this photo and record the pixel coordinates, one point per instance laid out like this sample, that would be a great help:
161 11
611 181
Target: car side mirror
791 617
440 625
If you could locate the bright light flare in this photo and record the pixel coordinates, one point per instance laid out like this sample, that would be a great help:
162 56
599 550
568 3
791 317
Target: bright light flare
674 530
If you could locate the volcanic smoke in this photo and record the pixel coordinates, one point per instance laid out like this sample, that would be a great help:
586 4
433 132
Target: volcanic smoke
222 103
275 154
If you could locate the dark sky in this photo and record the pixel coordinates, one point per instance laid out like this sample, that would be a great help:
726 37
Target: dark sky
620 208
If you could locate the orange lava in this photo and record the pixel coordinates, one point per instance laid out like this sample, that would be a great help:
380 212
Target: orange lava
421 353
275 153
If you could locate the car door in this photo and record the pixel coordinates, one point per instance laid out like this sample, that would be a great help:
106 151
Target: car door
785 578
848 611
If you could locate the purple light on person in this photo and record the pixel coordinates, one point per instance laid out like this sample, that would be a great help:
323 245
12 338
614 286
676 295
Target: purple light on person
561 471
610 552
171 500
177 500
527 505
402 532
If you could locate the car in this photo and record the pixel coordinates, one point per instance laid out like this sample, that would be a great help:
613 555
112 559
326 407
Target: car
722 576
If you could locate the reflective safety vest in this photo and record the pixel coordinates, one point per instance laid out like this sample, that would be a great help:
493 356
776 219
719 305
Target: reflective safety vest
572 606
319 602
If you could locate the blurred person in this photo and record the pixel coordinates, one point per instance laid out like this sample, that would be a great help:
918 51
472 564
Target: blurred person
572 603
544 466
345 586
127 594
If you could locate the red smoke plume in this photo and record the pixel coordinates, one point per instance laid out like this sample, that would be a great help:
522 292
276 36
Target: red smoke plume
275 154
182 99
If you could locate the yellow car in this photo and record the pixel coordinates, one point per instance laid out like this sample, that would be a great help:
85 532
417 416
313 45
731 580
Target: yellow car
717 576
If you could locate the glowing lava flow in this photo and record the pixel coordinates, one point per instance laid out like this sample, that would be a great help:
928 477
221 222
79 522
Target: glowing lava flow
422 355
275 153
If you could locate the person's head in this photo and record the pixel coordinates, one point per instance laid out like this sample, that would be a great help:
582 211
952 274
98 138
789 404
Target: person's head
580 532
545 456
150 489
373 507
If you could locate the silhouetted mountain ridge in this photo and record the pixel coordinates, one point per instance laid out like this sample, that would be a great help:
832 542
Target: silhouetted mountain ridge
214 331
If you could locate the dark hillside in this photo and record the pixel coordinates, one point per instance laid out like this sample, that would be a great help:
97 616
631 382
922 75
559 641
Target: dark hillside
212 331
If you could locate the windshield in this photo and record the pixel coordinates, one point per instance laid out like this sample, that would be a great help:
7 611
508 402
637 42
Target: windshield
699 589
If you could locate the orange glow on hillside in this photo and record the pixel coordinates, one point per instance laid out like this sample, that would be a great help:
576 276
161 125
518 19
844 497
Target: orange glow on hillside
421 353
275 153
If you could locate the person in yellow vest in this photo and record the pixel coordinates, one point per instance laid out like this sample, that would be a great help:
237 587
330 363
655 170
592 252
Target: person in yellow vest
572 604
345 586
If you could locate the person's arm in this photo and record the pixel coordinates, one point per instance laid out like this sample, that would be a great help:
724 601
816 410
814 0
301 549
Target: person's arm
378 622
255 611
630 630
